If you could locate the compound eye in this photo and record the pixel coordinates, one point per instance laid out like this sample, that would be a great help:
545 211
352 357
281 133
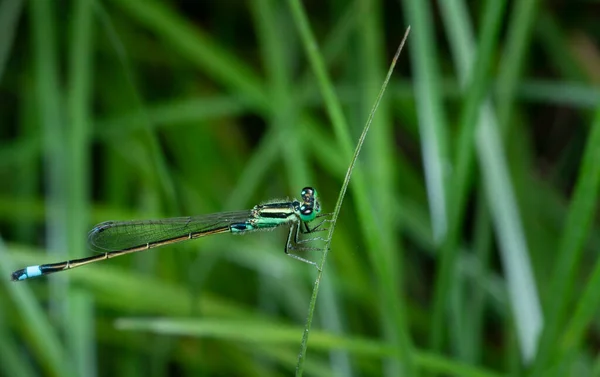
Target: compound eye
306 213
307 192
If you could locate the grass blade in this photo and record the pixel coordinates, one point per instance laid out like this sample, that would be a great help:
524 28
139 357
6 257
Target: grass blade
304 345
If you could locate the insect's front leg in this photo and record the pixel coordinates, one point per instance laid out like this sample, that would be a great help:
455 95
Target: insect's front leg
317 228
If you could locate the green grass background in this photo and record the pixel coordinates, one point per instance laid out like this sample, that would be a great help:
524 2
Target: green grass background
467 244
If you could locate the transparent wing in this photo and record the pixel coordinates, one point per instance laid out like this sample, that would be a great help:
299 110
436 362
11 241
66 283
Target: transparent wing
121 235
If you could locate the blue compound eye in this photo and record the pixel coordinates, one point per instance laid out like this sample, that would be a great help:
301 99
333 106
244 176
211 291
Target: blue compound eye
306 213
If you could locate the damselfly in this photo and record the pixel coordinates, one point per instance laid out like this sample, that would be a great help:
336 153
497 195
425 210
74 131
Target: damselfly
116 238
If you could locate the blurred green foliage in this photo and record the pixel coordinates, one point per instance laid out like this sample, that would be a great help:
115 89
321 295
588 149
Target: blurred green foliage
467 244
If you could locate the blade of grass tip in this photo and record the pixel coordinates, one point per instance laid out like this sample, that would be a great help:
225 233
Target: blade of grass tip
338 206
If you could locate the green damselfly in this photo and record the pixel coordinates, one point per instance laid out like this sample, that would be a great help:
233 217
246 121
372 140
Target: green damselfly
115 238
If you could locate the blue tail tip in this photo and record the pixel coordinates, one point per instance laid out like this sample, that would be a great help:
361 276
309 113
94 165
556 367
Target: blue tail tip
18 275
26 273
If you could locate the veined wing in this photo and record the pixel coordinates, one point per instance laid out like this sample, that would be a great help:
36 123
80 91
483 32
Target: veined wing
121 235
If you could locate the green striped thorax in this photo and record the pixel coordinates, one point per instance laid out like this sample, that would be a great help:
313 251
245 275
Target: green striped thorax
309 207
